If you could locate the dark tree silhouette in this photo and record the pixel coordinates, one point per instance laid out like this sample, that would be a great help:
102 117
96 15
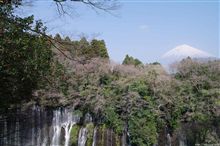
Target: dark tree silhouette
103 5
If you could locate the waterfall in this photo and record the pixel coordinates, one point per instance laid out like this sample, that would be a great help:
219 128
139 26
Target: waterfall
168 140
124 139
82 137
37 127
87 118
182 143
94 137
44 143
49 127
17 135
182 139
5 131
108 137
62 120
56 128
68 127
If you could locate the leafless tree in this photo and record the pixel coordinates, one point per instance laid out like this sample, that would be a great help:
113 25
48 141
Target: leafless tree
104 5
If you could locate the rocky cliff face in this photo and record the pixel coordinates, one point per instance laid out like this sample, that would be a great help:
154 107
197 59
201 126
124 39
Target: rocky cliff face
54 127
67 127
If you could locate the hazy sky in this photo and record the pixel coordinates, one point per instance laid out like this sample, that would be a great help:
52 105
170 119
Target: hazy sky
145 29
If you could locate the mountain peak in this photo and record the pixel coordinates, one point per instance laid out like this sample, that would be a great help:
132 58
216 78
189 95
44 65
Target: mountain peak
183 51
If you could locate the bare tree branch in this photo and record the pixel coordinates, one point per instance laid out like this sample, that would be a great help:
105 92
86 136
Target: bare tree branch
103 5
49 38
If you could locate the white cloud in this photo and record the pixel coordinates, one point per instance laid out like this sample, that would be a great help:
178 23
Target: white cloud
144 27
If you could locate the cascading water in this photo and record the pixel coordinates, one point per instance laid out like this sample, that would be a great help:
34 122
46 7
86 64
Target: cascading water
62 119
82 136
41 128
124 139
182 143
94 137
182 139
68 124
56 128
47 127
168 140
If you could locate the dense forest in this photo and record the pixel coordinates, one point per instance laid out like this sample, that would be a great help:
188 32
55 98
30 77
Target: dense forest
143 99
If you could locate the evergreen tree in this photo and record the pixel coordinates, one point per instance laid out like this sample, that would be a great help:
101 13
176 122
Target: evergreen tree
137 62
83 47
67 39
98 49
155 63
129 60
58 37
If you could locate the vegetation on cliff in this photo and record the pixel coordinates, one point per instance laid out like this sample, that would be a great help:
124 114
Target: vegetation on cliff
143 100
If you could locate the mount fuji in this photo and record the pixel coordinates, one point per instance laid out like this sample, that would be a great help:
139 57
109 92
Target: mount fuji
184 51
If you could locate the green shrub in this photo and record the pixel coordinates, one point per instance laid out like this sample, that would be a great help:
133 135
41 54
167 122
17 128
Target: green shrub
74 135
90 128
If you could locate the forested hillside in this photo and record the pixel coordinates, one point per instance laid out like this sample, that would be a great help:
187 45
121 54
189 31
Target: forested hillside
144 100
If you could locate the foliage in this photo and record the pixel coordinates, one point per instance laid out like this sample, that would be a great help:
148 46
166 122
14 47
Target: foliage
129 60
83 48
90 128
57 37
148 97
78 113
98 49
155 63
125 97
142 128
141 87
25 56
113 120
202 81
74 135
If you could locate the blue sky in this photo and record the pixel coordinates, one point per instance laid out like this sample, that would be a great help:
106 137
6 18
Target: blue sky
142 28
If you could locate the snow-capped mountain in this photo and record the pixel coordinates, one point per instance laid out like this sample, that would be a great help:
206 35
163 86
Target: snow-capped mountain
184 51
